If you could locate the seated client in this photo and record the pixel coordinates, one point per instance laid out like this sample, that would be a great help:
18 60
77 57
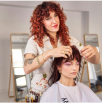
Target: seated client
64 85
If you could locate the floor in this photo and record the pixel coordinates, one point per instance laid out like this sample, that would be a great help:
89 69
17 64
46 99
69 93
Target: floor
5 98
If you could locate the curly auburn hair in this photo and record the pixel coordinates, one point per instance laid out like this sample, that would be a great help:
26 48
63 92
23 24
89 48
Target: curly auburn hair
58 62
38 29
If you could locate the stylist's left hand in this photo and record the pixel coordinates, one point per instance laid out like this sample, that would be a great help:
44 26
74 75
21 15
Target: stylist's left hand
88 51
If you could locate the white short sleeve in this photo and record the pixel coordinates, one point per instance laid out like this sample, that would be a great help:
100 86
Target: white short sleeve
75 42
31 47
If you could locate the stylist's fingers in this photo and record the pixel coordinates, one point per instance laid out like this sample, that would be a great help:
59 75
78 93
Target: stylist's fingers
63 55
68 50
88 55
88 52
91 55
85 52
86 49
60 51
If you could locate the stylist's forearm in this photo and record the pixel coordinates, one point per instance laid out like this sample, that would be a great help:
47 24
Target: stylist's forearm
28 68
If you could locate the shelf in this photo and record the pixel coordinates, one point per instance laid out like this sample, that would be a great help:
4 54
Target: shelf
21 86
18 99
97 71
18 76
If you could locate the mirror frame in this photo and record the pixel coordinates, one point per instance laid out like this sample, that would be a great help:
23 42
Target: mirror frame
83 73
12 70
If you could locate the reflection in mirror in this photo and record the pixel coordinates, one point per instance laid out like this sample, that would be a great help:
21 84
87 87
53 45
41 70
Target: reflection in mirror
20 79
95 70
17 60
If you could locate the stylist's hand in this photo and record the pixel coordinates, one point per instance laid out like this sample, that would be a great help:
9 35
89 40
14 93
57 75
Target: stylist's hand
88 51
60 51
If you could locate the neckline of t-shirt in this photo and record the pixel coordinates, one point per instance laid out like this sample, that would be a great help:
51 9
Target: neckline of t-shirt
68 86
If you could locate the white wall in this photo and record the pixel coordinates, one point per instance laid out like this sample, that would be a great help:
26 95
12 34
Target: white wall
74 23
15 17
12 20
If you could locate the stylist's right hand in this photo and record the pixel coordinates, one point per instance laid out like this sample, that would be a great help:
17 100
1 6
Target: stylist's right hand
60 51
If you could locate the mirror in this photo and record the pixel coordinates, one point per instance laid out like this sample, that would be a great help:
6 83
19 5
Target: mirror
95 70
21 81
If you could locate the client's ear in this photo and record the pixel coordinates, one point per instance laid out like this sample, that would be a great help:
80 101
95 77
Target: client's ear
59 69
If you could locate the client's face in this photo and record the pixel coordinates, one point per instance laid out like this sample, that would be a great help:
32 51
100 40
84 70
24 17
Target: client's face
70 69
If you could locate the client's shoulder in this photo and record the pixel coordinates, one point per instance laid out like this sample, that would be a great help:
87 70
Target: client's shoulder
82 85
50 92
51 89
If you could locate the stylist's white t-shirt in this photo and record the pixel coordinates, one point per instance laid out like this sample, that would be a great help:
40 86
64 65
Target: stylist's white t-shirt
61 93
41 75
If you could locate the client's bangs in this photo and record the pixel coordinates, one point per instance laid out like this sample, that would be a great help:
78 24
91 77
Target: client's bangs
75 55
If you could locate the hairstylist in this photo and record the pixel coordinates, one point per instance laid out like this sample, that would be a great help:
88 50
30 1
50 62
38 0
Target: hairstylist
50 38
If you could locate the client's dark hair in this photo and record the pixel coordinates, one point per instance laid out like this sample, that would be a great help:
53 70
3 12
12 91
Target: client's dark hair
58 61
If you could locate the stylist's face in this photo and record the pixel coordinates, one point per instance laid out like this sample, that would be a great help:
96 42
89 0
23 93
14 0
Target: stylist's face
70 69
51 23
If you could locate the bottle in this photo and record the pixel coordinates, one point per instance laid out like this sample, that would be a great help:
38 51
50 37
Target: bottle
40 94
26 98
31 99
